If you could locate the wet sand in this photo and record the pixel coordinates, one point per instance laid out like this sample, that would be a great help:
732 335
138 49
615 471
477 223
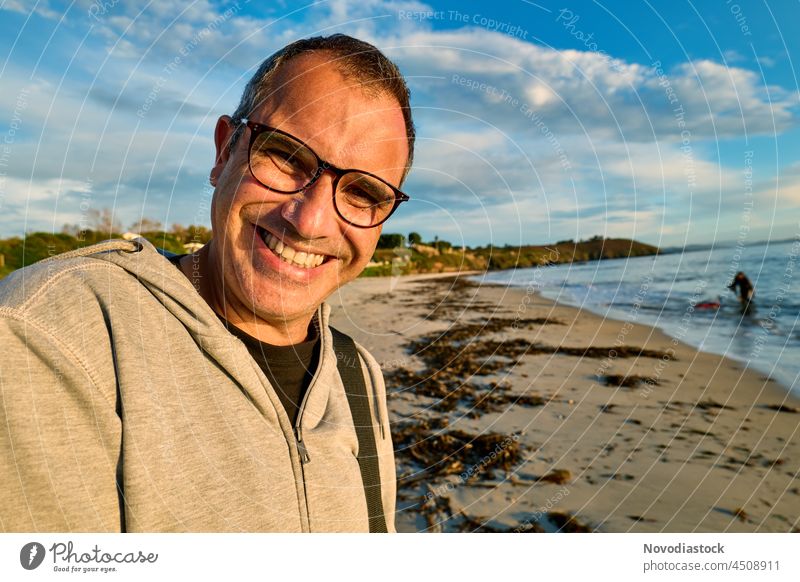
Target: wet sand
512 413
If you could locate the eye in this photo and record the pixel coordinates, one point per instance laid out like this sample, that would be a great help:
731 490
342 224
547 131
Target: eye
285 161
362 197
278 153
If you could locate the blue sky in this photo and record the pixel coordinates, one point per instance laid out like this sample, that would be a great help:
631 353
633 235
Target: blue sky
668 122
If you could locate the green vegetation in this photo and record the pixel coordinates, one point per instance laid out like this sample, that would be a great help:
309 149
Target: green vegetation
391 257
440 256
17 252
594 249
391 241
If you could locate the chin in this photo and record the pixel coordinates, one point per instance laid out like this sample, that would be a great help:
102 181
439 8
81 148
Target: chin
272 298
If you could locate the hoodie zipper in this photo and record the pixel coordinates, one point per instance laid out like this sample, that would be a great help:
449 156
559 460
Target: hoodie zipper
301 447
302 450
298 430
298 436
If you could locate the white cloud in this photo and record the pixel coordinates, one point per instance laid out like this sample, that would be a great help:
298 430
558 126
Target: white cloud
765 61
579 91
34 204
41 8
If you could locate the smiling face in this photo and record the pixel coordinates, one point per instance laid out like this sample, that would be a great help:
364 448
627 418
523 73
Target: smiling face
276 257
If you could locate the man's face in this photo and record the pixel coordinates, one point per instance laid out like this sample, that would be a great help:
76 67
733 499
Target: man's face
344 126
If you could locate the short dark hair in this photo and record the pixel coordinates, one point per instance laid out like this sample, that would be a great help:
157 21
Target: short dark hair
355 59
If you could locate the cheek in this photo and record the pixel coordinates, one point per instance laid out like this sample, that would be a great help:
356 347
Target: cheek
231 192
220 211
363 244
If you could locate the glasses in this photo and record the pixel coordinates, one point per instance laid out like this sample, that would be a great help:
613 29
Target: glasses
282 163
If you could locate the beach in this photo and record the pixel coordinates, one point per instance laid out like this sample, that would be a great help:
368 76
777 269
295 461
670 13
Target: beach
514 413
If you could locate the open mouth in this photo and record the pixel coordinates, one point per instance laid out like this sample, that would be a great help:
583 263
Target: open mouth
284 252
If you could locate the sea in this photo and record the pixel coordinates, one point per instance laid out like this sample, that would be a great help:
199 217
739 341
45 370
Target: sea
678 292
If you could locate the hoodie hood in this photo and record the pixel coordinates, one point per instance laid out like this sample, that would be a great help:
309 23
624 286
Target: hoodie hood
166 282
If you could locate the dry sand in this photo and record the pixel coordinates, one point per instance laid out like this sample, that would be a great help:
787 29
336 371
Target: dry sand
696 448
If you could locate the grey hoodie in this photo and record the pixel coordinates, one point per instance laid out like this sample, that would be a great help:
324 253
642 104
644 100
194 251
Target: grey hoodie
113 370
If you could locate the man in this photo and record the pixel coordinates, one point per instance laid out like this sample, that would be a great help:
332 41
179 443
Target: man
137 396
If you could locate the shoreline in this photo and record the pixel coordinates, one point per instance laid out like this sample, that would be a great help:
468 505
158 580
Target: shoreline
793 394
763 375
588 453
757 367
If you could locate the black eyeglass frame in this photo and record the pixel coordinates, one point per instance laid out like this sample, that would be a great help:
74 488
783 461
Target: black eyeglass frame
257 129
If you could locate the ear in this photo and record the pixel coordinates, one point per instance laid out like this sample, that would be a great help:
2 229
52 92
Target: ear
222 136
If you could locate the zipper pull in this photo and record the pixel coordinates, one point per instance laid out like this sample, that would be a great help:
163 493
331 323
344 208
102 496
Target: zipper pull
301 447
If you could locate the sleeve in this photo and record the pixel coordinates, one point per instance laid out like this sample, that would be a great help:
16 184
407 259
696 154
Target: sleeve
60 437
383 437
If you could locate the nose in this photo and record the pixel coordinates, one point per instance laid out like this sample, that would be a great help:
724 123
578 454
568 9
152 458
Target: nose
311 211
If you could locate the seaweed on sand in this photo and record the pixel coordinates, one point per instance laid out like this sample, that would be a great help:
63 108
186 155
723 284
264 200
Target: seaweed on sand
440 515
629 381
427 451
450 392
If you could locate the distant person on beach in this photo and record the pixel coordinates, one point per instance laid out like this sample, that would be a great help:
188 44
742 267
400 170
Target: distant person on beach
745 288
207 392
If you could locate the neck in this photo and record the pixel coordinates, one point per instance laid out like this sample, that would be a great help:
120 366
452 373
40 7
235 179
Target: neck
210 285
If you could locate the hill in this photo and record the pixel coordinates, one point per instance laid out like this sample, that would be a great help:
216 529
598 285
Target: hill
441 257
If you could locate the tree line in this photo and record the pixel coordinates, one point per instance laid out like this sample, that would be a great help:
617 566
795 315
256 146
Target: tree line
17 252
420 257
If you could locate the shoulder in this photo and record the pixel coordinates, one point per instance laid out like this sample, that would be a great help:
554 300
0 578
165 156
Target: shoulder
60 279
22 287
340 350
369 359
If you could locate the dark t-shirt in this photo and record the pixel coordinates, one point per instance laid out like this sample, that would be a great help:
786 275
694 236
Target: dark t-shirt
289 369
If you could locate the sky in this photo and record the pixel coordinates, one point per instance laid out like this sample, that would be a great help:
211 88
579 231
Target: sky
669 122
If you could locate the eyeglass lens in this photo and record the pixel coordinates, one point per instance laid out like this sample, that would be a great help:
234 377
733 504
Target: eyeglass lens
285 165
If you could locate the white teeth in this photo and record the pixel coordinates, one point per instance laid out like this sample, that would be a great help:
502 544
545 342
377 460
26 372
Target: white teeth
290 255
